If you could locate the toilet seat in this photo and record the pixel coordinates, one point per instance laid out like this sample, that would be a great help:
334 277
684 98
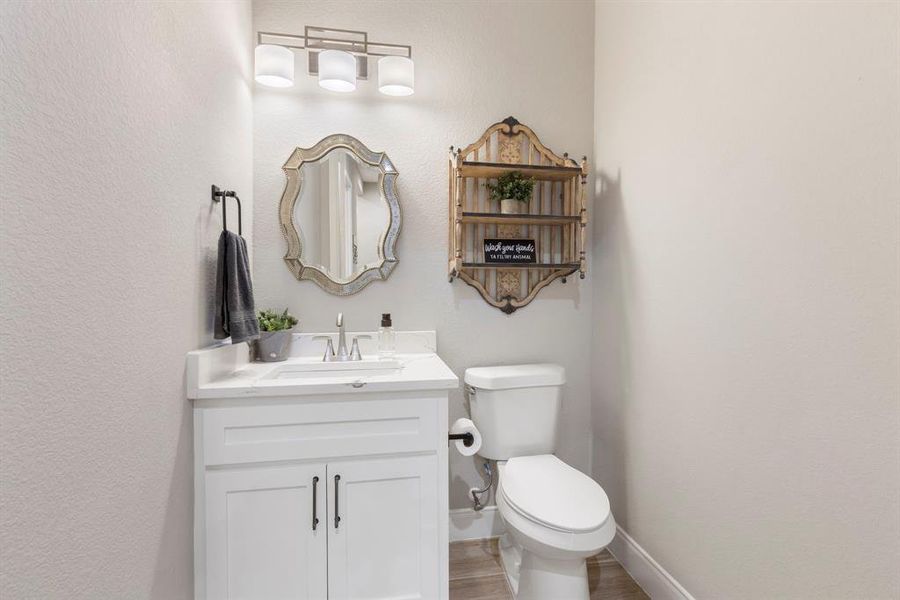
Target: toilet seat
546 491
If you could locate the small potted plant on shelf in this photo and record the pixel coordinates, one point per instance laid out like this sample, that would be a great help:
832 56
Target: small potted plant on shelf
512 190
275 335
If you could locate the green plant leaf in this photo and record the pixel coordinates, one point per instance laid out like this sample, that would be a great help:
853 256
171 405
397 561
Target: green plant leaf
270 320
512 185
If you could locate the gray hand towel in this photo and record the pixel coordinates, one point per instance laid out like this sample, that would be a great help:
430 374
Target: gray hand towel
235 310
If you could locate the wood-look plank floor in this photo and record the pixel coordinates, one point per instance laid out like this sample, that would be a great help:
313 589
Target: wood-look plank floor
477 574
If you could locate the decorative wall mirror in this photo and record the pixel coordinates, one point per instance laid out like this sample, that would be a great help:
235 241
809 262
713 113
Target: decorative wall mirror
340 214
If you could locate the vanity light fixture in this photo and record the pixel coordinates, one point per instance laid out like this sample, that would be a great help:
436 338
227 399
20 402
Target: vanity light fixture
337 71
274 65
338 57
396 76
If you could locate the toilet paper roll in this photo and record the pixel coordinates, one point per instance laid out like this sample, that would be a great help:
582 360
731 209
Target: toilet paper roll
466 426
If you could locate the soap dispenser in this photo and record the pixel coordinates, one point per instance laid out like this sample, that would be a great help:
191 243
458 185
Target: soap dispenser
387 345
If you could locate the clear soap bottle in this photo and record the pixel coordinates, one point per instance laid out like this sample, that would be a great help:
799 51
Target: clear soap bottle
387 344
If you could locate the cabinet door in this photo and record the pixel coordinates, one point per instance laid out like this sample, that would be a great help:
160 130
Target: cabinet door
383 539
261 540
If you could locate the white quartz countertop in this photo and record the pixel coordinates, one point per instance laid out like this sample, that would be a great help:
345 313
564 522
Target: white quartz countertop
417 372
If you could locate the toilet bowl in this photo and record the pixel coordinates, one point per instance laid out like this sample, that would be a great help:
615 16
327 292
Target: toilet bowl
555 516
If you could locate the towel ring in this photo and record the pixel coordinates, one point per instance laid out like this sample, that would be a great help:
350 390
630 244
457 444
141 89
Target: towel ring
218 195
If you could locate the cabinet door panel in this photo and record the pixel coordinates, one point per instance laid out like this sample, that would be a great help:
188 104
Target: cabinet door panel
260 541
386 544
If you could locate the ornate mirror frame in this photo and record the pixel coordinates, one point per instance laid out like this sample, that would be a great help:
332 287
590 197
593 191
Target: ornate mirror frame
292 171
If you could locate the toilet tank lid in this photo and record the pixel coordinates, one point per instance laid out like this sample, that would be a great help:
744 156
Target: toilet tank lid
515 376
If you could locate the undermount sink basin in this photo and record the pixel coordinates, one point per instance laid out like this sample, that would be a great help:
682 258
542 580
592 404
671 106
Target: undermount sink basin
321 369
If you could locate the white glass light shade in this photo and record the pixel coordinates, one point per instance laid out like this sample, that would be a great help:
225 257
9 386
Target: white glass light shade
396 76
337 71
274 65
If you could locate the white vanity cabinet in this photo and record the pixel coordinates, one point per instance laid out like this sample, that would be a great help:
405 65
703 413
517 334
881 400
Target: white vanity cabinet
333 496
321 483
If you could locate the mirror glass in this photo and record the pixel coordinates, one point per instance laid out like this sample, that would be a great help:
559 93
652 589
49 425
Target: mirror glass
341 215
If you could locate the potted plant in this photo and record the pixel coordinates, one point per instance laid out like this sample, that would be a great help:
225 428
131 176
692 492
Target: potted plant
511 191
275 335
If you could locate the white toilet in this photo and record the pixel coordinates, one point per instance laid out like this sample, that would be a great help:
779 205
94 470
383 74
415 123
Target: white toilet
555 516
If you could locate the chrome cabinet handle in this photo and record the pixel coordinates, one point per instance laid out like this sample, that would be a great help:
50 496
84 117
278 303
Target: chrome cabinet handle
337 516
315 496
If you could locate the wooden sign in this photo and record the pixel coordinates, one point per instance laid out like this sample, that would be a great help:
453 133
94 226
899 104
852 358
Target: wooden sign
509 251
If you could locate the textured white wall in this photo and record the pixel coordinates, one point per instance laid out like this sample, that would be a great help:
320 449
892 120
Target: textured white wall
116 118
747 267
747 288
476 63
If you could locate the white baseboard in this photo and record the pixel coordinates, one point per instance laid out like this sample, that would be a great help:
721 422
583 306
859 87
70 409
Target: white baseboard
648 573
467 524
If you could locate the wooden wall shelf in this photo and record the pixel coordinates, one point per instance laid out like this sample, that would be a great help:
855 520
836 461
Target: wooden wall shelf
570 267
555 218
522 219
538 172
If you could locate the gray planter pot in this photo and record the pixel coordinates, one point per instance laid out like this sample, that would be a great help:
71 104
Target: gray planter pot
274 346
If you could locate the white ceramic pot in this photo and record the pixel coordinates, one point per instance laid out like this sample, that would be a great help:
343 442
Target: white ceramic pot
510 206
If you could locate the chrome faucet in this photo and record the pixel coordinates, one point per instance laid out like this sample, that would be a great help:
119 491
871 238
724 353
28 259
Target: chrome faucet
342 353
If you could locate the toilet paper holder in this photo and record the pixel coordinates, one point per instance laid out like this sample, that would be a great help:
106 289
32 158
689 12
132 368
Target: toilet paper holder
467 438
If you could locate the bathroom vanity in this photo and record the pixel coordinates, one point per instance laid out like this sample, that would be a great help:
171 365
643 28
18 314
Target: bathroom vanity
321 480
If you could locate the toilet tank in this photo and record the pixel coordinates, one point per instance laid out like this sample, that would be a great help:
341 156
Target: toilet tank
516 408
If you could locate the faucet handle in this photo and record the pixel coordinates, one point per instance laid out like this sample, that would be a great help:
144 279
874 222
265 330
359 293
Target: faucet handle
340 319
329 347
354 349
